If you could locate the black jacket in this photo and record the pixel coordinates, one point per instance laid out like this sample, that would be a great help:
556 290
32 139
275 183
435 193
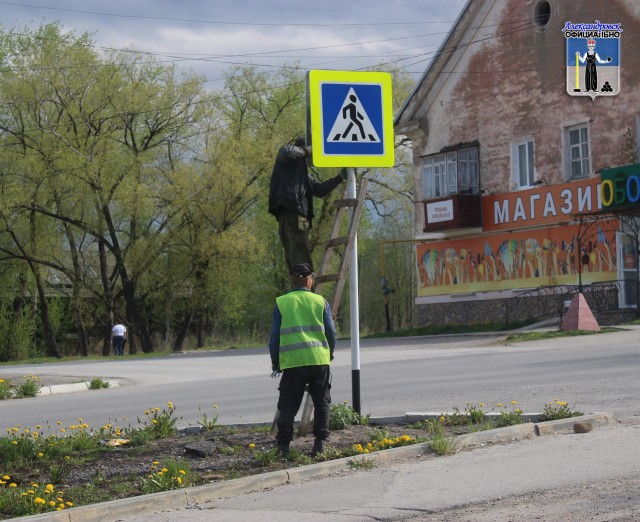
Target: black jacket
291 187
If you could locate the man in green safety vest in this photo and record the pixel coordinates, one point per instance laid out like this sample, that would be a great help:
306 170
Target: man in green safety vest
301 344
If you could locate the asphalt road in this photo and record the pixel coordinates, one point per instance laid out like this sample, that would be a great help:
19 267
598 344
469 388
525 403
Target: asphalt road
592 373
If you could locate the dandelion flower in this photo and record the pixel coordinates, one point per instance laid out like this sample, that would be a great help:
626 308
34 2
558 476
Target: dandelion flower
182 472
514 402
52 503
6 477
252 445
39 501
70 504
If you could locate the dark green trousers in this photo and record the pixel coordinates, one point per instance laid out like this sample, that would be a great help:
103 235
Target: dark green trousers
294 234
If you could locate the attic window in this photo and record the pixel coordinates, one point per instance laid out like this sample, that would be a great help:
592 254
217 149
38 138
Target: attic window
542 14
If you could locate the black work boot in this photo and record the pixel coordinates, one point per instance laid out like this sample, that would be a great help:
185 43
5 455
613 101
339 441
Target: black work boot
318 447
283 449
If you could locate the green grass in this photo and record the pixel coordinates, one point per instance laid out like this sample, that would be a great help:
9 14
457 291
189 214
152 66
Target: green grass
535 336
448 329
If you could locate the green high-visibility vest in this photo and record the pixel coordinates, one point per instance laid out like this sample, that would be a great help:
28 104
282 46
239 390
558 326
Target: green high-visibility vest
302 338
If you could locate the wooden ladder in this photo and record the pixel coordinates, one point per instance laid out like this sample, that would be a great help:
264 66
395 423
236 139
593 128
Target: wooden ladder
330 247
336 241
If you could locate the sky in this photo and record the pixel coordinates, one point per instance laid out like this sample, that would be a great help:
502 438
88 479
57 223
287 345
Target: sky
210 36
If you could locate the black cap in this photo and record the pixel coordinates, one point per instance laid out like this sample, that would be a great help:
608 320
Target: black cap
302 270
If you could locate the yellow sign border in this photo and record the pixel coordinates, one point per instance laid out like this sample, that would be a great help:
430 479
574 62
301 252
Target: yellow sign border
314 81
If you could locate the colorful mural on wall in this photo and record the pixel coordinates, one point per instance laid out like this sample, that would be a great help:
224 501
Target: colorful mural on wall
522 259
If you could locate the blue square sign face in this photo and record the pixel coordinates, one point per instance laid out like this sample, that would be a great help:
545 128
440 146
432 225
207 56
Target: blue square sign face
351 119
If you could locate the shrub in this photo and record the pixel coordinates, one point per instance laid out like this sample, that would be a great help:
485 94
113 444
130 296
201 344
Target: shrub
29 387
5 390
97 383
558 410
509 418
343 415
172 475
162 424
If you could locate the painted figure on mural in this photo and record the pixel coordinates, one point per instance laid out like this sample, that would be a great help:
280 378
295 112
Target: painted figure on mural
590 58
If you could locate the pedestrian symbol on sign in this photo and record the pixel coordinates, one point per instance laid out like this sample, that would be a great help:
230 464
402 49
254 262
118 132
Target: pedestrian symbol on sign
352 123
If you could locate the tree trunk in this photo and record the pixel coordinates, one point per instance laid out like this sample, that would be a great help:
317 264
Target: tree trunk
49 334
182 332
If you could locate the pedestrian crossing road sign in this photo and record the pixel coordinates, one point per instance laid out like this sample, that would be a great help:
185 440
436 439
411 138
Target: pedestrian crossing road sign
351 119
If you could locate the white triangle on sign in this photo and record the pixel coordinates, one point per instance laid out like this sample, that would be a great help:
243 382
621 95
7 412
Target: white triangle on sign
352 124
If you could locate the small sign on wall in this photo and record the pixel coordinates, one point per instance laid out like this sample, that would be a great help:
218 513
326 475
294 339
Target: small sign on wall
439 211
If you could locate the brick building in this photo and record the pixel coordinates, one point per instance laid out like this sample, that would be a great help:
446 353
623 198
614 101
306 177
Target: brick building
523 107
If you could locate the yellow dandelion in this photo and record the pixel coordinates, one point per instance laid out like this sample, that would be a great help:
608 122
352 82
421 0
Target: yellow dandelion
514 402
6 477
38 427
40 455
182 472
165 470
482 404
52 503
147 412
14 442
499 404
518 411
67 457
252 445
366 451
70 504
62 430
49 488
155 462
442 419
39 501
215 406
178 480
59 423
80 420
154 421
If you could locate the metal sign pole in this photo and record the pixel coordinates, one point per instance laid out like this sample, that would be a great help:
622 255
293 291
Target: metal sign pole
355 309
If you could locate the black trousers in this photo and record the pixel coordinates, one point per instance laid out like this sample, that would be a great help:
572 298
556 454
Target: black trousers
292 386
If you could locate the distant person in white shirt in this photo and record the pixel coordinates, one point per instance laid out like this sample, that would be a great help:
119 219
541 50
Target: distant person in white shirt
118 338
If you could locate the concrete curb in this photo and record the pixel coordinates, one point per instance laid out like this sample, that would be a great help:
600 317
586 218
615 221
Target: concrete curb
188 497
71 388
